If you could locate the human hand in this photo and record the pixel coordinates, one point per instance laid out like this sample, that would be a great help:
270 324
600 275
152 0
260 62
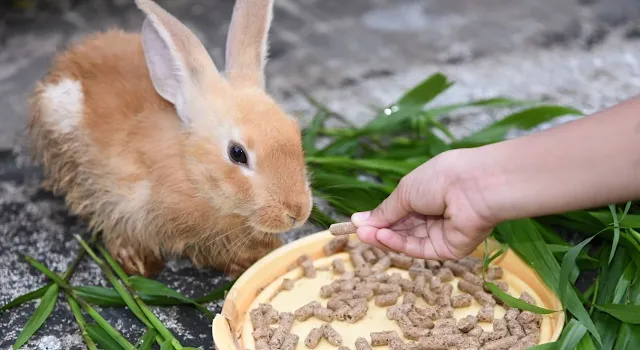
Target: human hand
436 212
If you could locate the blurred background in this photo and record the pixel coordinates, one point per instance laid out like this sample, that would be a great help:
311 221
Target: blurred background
351 55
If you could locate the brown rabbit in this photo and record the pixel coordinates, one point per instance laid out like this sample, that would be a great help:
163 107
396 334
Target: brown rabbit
152 145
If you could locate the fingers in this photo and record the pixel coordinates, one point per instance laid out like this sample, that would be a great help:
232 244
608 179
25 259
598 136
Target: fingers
391 210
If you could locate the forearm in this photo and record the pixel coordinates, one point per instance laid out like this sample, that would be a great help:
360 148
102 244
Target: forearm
582 164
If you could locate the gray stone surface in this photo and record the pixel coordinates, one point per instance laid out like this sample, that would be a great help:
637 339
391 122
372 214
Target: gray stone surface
350 55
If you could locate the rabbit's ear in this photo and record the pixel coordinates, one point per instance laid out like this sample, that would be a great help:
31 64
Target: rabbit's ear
246 49
178 63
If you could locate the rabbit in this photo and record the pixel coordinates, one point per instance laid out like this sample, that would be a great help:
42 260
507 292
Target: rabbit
164 155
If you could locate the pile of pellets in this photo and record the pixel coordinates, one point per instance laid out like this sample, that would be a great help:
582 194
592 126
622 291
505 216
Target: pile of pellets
422 327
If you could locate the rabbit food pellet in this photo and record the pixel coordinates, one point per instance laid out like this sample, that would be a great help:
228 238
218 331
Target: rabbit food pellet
306 311
323 314
290 342
361 344
343 228
332 336
348 297
313 338
382 338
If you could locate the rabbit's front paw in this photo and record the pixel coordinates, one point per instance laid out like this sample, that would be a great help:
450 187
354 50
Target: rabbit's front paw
134 262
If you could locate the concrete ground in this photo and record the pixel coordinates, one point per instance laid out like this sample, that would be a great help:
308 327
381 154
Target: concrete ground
350 55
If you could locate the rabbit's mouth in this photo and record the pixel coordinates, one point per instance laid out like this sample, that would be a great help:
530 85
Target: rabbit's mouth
275 221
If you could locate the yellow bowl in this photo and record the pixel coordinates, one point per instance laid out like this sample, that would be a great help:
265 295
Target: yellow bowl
265 276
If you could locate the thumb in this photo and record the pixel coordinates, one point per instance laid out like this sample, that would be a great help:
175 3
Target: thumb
391 210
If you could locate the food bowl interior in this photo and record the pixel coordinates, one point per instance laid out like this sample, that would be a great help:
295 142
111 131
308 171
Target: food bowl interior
268 273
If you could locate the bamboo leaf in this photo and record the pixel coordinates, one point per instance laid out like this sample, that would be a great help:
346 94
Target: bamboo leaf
523 120
146 341
166 345
82 323
102 338
426 91
157 289
523 237
310 134
624 312
624 283
376 165
568 266
573 332
216 294
47 303
515 302
38 293
99 295
616 231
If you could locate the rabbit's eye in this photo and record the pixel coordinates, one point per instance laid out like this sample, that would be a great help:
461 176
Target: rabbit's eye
237 154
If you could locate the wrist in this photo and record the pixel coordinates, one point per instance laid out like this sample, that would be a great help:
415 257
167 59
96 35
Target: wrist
476 177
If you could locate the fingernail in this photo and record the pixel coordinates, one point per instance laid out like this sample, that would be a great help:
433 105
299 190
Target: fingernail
360 218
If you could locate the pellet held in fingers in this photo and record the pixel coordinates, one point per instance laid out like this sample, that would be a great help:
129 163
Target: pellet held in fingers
306 311
362 344
332 336
382 338
342 228
313 338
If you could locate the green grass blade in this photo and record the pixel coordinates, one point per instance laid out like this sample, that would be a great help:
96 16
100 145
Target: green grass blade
616 231
515 302
38 293
146 341
102 338
523 237
157 289
425 91
626 210
47 303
